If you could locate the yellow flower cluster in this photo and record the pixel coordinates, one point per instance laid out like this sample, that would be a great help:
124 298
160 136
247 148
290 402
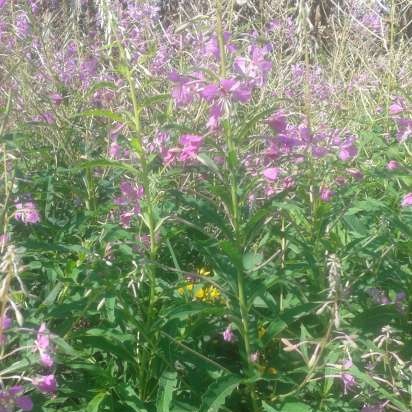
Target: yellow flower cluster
204 293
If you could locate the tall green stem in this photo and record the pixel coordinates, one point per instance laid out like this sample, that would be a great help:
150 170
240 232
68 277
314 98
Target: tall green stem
232 166
149 219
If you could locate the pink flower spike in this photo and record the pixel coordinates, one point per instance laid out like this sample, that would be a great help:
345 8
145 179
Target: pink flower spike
24 403
271 173
392 165
43 341
278 121
45 384
46 360
326 194
228 335
407 200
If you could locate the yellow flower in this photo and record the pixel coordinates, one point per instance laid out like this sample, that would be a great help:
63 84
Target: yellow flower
200 294
213 293
185 289
261 331
203 271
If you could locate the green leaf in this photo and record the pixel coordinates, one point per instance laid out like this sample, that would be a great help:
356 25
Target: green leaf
218 391
94 404
90 164
295 407
149 101
167 385
108 114
251 260
129 397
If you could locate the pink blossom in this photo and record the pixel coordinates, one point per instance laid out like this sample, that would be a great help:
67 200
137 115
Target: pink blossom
228 335
27 213
407 200
392 165
278 121
271 173
12 398
326 194
45 384
56 98
404 129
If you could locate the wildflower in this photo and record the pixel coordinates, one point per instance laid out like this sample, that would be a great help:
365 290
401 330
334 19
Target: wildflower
44 347
254 357
348 150
355 173
271 173
228 335
2 3
326 194
404 129
392 165
11 398
56 99
27 213
407 200
45 384
278 121
191 145
348 382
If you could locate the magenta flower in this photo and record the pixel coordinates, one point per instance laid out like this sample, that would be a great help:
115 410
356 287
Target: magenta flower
278 121
56 99
271 173
190 147
404 129
392 165
348 150
407 200
12 398
228 335
27 213
44 347
45 384
326 194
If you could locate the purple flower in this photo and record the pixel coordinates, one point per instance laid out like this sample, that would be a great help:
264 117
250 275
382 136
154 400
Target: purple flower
278 121
271 173
228 335
404 129
11 398
326 194
348 150
190 147
22 25
6 322
45 384
56 98
348 381
27 213
407 200
2 3
44 347
392 165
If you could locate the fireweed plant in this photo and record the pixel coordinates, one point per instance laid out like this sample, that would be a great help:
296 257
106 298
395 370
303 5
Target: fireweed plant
208 210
